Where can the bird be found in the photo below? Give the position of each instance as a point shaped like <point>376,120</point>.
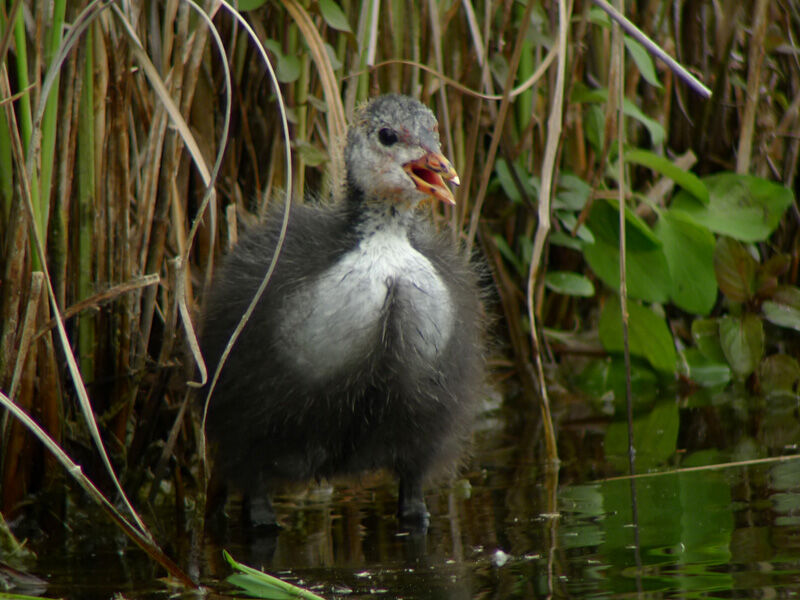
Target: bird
<point>366,350</point>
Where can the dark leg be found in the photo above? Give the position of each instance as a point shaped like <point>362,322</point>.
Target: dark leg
<point>257,513</point>
<point>411,511</point>
<point>216,495</point>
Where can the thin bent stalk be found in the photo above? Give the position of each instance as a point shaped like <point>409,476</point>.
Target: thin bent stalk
<point>618,79</point>
<point>287,205</point>
<point>554,127</point>
<point>143,541</point>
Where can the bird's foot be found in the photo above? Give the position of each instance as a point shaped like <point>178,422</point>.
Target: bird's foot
<point>413,516</point>
<point>259,516</point>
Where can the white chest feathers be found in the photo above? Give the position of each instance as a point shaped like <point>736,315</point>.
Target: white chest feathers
<point>383,287</point>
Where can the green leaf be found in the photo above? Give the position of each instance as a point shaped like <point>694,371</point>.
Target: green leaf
<point>336,64</point>
<point>512,178</point>
<point>742,341</point>
<point>648,276</point>
<point>744,207</point>
<point>569,220</point>
<point>648,272</point>
<point>778,373</point>
<point>594,124</point>
<point>503,173</point>
<point>569,284</point>
<point>705,333</point>
<point>735,270</point>
<point>706,372</point>
<point>509,254</point>
<point>643,61</point>
<point>689,250</point>
<point>655,437</point>
<point>604,220</point>
<point>648,334</point>
<point>262,585</point>
<point>334,16</point>
<point>311,154</point>
<point>784,308</point>
<point>572,193</point>
<point>287,69</point>
<point>687,180</point>
<point>559,238</point>
<point>582,94</point>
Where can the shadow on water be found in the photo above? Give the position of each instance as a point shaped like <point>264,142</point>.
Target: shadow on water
<point>730,532</point>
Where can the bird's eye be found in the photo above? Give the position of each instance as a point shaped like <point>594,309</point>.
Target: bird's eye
<point>387,136</point>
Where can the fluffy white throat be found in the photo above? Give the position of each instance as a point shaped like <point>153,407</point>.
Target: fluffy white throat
<point>339,318</point>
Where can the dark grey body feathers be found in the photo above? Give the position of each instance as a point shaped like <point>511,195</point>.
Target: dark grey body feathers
<point>386,409</point>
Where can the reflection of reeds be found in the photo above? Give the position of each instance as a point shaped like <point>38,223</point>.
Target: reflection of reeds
<point>113,168</point>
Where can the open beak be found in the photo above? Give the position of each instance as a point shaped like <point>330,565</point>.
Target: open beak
<point>429,174</point>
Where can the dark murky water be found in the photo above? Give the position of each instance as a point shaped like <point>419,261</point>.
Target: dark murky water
<point>731,532</point>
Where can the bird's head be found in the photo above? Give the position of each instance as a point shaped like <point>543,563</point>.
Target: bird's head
<point>393,153</point>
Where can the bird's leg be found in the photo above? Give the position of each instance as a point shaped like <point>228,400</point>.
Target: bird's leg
<point>411,510</point>
<point>257,512</point>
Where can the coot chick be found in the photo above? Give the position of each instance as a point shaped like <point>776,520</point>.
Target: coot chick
<point>365,351</point>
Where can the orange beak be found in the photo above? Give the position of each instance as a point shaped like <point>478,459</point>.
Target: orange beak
<point>429,174</point>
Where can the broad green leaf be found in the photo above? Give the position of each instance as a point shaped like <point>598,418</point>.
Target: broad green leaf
<point>570,284</point>
<point>648,334</point>
<point>603,380</point>
<point>744,207</point>
<point>686,179</point>
<point>644,384</point>
<point>689,250</point>
<point>655,437</point>
<point>569,220</point>
<point>735,270</point>
<point>559,238</point>
<point>643,61</point>
<point>333,15</point>
<point>647,269</point>
<point>287,69</point>
<point>648,276</point>
<point>604,222</point>
<point>706,372</point>
<point>572,193</point>
<point>784,307</point>
<point>742,341</point>
<point>705,333</point>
